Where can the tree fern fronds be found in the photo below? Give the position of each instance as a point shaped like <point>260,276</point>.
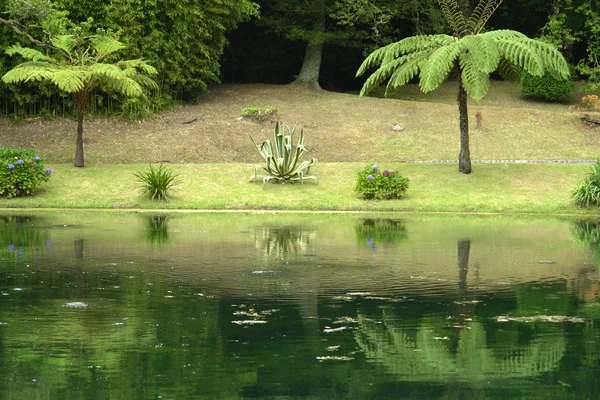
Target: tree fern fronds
<point>552,59</point>
<point>438,66</point>
<point>475,81</point>
<point>454,16</point>
<point>520,53</point>
<point>379,76</point>
<point>68,80</point>
<point>485,52</point>
<point>126,86</point>
<point>27,53</point>
<point>65,43</point>
<point>409,69</point>
<point>375,58</point>
<point>109,70</point>
<point>509,71</point>
<point>104,46</point>
<point>145,81</point>
<point>482,14</point>
<point>30,71</point>
<point>503,34</point>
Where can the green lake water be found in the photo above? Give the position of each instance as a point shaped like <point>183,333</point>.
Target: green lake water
<point>115,305</point>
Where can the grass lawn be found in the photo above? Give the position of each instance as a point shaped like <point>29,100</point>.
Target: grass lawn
<point>491,188</point>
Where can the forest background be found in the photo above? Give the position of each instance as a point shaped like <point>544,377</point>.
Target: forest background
<point>316,43</point>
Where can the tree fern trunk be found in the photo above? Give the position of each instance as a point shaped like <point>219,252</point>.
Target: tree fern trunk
<point>464,158</point>
<point>81,103</point>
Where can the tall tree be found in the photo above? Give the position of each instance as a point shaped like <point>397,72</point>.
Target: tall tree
<point>77,63</point>
<point>471,54</point>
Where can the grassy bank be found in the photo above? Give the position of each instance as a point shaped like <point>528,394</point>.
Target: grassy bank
<point>491,188</point>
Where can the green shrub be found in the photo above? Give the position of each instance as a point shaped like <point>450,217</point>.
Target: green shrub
<point>21,172</point>
<point>157,183</point>
<point>282,158</point>
<point>372,183</point>
<point>587,192</point>
<point>260,114</point>
<point>545,87</point>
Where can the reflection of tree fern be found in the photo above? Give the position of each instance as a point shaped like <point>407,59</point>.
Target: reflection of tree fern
<point>421,356</point>
<point>588,232</point>
<point>381,231</point>
<point>157,231</point>
<point>282,241</point>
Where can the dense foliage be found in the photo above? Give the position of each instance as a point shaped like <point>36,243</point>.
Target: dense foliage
<point>372,183</point>
<point>282,158</point>
<point>545,87</point>
<point>21,172</point>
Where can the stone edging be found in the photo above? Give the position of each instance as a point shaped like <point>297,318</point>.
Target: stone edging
<point>504,161</point>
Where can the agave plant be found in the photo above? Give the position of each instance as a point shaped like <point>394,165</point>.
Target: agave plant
<point>282,158</point>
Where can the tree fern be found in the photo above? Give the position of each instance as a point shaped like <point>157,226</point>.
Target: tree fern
<point>474,55</point>
<point>27,53</point>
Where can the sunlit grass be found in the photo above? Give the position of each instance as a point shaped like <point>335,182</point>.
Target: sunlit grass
<point>491,188</point>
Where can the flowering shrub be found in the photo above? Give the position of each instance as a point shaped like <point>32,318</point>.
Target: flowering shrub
<point>21,172</point>
<point>373,183</point>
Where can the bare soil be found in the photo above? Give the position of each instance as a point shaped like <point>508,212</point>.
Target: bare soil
<point>338,127</point>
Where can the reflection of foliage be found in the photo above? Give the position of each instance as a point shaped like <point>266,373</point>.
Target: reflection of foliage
<point>19,241</point>
<point>375,231</point>
<point>422,356</point>
<point>157,231</point>
<point>282,241</point>
<point>588,232</point>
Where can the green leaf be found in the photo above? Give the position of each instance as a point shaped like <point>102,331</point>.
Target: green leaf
<point>439,64</point>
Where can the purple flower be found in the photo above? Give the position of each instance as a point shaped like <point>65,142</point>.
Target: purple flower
<point>387,172</point>
<point>10,166</point>
<point>20,162</point>
<point>48,171</point>
<point>11,247</point>
<point>369,177</point>
<point>37,158</point>
<point>374,167</point>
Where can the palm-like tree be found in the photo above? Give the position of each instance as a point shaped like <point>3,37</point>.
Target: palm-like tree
<point>77,64</point>
<point>469,52</point>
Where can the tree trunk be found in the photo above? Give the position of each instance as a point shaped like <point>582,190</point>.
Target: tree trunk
<point>311,66</point>
<point>464,158</point>
<point>81,106</point>
<point>309,74</point>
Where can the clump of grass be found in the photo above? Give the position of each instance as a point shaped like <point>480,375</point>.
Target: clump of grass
<point>260,114</point>
<point>587,192</point>
<point>157,182</point>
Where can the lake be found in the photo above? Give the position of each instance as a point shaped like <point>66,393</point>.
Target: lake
<point>141,305</point>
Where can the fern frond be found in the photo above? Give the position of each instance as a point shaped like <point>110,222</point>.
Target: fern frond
<point>475,81</point>
<point>521,53</point>
<point>409,69</point>
<point>454,16</point>
<point>105,45</point>
<point>509,71</point>
<point>484,52</point>
<point>138,65</point>
<point>439,64</point>
<point>552,59</point>
<point>109,70</point>
<point>405,46</point>
<point>29,71</point>
<point>144,81</point>
<point>503,34</point>
<point>482,14</point>
<point>126,86</point>
<point>65,43</point>
<point>28,53</point>
<point>68,80</point>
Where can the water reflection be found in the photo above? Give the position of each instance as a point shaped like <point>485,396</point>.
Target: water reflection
<point>157,229</point>
<point>279,306</point>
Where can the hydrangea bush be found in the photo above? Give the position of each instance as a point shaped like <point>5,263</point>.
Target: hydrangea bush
<point>21,172</point>
<point>372,183</point>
